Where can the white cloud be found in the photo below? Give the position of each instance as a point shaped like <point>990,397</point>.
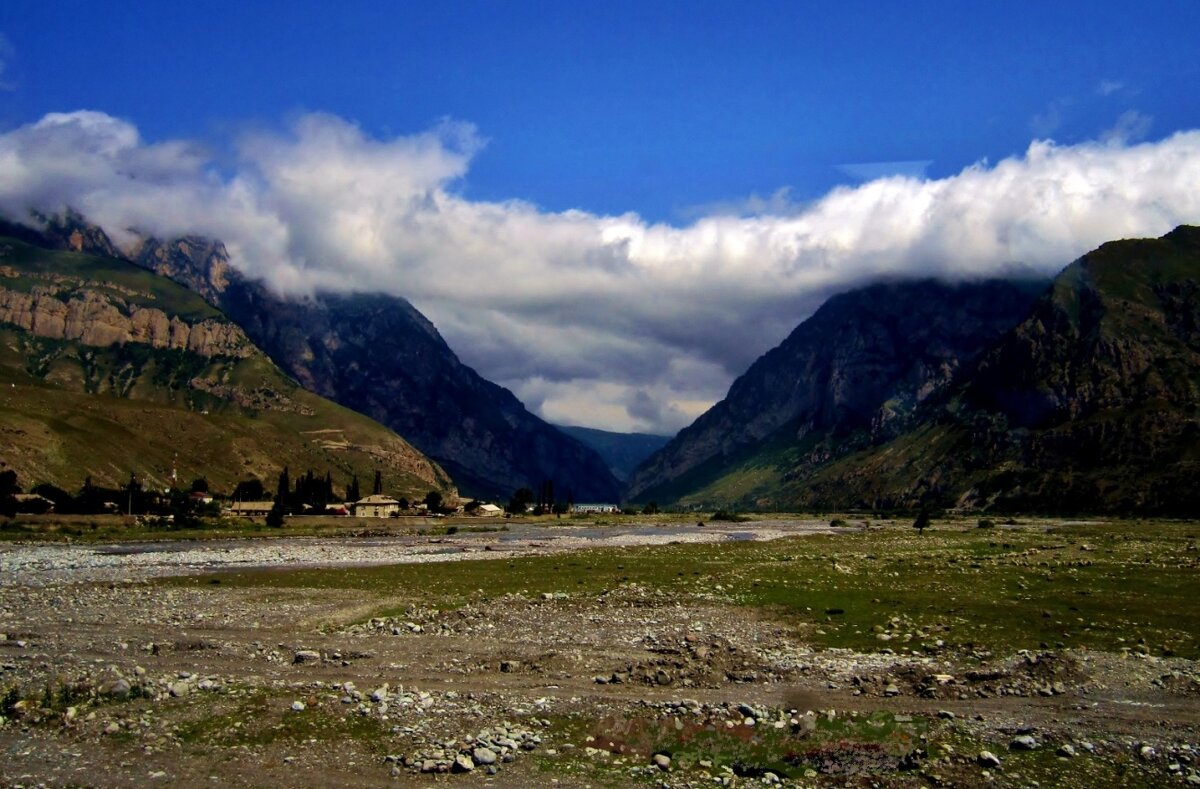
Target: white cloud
<point>1131,126</point>
<point>1107,87</point>
<point>607,321</point>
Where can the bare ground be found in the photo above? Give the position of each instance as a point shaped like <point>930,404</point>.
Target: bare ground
<point>129,682</point>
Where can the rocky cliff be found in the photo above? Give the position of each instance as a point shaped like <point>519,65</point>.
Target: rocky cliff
<point>108,369</point>
<point>100,319</point>
<point>853,373</point>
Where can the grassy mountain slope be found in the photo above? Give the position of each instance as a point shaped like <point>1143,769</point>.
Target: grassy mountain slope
<point>108,369</point>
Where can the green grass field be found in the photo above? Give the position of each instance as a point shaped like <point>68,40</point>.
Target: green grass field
<point>1110,586</point>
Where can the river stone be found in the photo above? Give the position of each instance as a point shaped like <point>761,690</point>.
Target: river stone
<point>988,759</point>
<point>1025,742</point>
<point>483,756</point>
<point>118,688</point>
<point>662,761</point>
<point>463,764</point>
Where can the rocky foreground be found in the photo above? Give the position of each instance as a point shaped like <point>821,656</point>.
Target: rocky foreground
<point>115,676</point>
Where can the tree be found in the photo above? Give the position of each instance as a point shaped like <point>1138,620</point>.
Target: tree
<point>249,490</point>
<point>275,517</point>
<point>8,483</point>
<point>199,485</point>
<point>433,500</point>
<point>64,502</point>
<point>377,488</point>
<point>651,508</point>
<point>352,493</point>
<point>519,502</point>
<point>922,521</point>
<point>472,505</point>
<point>8,488</point>
<point>134,497</point>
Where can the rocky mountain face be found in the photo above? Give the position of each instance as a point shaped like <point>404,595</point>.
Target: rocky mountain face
<point>853,374</point>
<point>378,355</point>
<point>61,311</point>
<point>108,369</point>
<point>1089,405</point>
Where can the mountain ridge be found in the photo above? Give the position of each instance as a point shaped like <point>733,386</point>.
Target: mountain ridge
<point>1089,404</point>
<point>106,373</point>
<point>378,355</point>
<point>855,370</point>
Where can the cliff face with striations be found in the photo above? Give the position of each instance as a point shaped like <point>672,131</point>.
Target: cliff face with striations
<point>98,319</point>
<point>107,368</point>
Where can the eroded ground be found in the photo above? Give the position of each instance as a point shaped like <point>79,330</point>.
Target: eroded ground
<point>1056,654</point>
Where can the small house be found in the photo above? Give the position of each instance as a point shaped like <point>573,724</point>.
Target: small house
<point>251,509</point>
<point>376,506</point>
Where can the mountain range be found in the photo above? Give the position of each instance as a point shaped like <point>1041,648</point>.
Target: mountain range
<point>107,370</point>
<point>1072,395</point>
<point>1082,397</point>
<point>378,355</point>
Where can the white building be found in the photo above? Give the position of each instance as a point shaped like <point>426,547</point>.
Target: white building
<point>592,509</point>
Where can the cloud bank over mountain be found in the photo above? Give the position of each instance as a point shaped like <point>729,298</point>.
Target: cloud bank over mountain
<point>607,321</point>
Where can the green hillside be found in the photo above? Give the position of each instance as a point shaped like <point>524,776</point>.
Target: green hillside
<point>70,409</point>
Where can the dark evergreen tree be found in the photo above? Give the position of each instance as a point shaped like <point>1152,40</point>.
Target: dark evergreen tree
<point>520,501</point>
<point>377,489</point>
<point>922,521</point>
<point>352,493</point>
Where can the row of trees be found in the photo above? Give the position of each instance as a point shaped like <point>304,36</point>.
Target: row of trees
<point>133,498</point>
<point>307,493</point>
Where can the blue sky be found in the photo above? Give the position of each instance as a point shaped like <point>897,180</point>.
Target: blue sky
<point>610,208</point>
<point>625,106</point>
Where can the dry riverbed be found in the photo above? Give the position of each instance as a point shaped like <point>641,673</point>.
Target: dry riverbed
<point>774,652</point>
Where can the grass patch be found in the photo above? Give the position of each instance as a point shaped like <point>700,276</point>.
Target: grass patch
<point>1105,587</point>
<point>260,719</point>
